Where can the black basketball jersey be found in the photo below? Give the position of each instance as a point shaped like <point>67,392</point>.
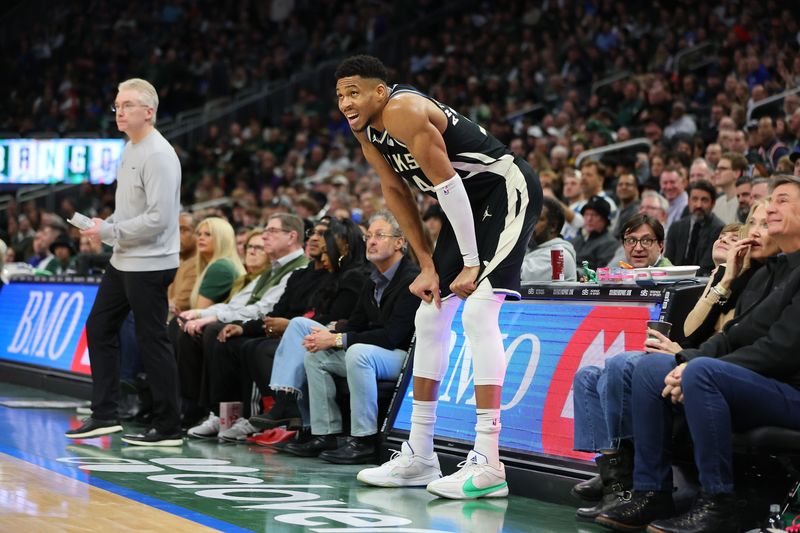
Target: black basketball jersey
<point>480,159</point>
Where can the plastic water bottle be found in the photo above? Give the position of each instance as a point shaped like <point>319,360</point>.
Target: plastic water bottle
<point>775,518</point>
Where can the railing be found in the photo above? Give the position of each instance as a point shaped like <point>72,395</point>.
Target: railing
<point>681,56</point>
<point>608,80</point>
<point>771,100</point>
<point>597,153</point>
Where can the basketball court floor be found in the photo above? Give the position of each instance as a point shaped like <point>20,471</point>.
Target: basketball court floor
<point>49,483</point>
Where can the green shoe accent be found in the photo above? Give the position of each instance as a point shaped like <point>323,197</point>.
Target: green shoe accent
<point>471,491</point>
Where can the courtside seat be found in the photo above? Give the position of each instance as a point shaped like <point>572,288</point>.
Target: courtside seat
<point>766,470</point>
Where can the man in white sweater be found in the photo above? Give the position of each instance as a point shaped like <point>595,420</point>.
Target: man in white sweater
<point>144,232</point>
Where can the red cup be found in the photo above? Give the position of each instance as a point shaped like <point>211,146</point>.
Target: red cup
<point>557,264</point>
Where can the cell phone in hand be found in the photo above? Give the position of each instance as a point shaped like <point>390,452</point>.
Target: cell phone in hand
<point>81,221</point>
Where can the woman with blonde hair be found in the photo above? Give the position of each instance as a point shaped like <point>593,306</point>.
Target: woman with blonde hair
<point>218,263</point>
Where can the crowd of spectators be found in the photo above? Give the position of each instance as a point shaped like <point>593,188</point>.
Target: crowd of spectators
<point>491,65</point>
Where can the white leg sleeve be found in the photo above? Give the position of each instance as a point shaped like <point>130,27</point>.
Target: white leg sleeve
<point>480,319</point>
<point>432,350</point>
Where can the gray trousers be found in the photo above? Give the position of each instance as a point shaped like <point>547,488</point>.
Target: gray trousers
<point>363,365</point>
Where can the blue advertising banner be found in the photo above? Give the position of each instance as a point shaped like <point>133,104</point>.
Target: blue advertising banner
<point>43,324</point>
<point>545,343</point>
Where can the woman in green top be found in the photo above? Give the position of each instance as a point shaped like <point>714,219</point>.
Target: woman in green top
<point>218,263</point>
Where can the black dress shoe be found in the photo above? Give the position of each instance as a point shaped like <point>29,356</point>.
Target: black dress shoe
<point>712,513</point>
<point>93,427</point>
<point>356,451</point>
<point>635,514</point>
<point>313,447</point>
<point>607,502</point>
<point>590,490</point>
<point>153,437</point>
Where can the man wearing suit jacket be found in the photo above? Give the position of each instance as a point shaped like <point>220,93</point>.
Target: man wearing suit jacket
<point>691,238</point>
<point>745,376</point>
<point>371,346</point>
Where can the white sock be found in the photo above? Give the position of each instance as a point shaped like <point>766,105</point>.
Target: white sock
<point>423,418</point>
<point>487,435</point>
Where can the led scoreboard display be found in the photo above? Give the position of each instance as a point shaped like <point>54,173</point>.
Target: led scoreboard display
<point>31,161</point>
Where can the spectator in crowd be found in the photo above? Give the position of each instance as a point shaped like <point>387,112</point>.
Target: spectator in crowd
<point>244,354</point>
<point>41,245</point>
<point>673,188</point>
<point>744,186</point>
<point>691,238</point>
<point>343,254</point>
<point>272,254</point>
<point>144,231</point>
<point>713,154</point>
<point>730,169</point>
<point>370,346</point>
<point>433,217</point>
<point>700,170</point>
<point>794,157</point>
<point>218,263</point>
<point>742,377</point>
<point>180,290</point>
<point>537,265</point>
<point>63,260</point>
<point>759,189</point>
<point>597,246</point>
<point>643,242</point>
<point>770,149</point>
<point>574,198</point>
<point>656,206</point>
<point>628,195</point>
<point>592,179</point>
<point>603,408</point>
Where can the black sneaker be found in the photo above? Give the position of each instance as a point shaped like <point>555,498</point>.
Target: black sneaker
<point>152,437</point>
<point>92,427</point>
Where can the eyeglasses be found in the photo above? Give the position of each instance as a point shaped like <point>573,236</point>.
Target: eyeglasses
<point>379,236</point>
<point>275,231</point>
<point>722,169</point>
<point>311,232</point>
<point>126,107</point>
<point>631,242</point>
<point>256,247</point>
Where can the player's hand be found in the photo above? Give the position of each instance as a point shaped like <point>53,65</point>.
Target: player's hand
<point>230,330</point>
<point>465,283</point>
<point>426,286</point>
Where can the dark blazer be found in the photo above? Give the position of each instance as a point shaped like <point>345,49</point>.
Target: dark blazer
<point>678,240</point>
<point>389,325</point>
<point>765,337</point>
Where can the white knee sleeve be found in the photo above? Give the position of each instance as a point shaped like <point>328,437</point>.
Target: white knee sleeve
<point>480,315</point>
<point>432,349</point>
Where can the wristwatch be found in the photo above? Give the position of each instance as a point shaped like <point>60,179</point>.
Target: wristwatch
<point>339,341</point>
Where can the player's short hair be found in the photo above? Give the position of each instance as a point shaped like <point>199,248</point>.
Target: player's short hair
<point>362,65</point>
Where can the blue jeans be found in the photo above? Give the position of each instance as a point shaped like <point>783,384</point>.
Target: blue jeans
<point>287,368</point>
<point>601,403</point>
<point>363,365</point>
<point>719,398</point>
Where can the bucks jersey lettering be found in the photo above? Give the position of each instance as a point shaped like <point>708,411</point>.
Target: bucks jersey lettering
<point>479,158</point>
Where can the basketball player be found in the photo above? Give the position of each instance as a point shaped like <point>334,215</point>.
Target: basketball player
<point>491,200</point>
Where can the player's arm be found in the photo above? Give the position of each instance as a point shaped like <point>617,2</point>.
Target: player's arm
<point>418,124</point>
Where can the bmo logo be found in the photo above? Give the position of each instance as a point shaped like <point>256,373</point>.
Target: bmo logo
<point>43,323</point>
